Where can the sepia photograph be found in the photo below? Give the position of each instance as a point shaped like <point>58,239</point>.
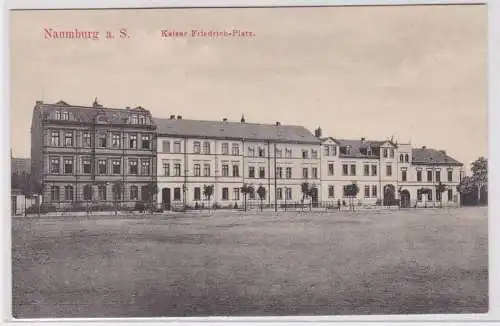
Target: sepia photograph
<point>249,161</point>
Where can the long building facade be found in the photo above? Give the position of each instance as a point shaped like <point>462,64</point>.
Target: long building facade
<point>79,153</point>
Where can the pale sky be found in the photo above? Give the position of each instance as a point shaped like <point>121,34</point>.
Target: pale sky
<point>417,73</point>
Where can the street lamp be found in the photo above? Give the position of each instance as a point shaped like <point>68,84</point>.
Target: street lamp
<point>184,195</point>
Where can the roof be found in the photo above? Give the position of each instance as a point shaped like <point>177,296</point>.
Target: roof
<point>86,114</point>
<point>234,130</point>
<point>432,156</point>
<point>356,145</point>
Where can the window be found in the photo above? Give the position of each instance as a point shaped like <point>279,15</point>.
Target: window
<point>262,172</point>
<point>142,119</point>
<point>55,194</point>
<point>331,191</point>
<point>236,149</point>
<point>206,170</point>
<point>197,193</point>
<point>87,192</point>
<point>388,170</point>
<point>236,193</point>
<point>407,158</point>
<point>305,173</point>
<point>429,196</point>
<point>68,165</point>
<point>345,169</point>
<point>251,152</point>
<point>177,193</point>
<point>385,152</point>
<point>438,175</point>
<point>450,175</point>
<point>177,169</point>
<point>225,170</point>
<point>54,138</point>
<point>288,173</point>
<point>251,172</point>
<point>102,166</point>
<point>419,196</point>
<point>101,192</point>
<point>146,142</point>
<point>419,176</point>
<point>132,166</point>
<point>344,192</point>
<point>314,173</point>
<point>333,150</point>
<point>133,119</point>
<point>225,193</point>
<point>115,140</point>
<point>279,194</point>
<point>262,152</point>
<point>305,153</point>
<point>403,175</point>
<point>197,147</point>
<point>374,191</point>
<point>401,158</point>
<point>197,170</point>
<point>225,148</point>
<point>177,147</point>
<point>87,141</point>
<point>102,140</point>
<point>327,150</point>
<point>450,195</point>
<point>68,138</point>
<point>279,172</point>
<point>116,166</point>
<point>367,191</point>
<point>288,193</point>
<point>132,142</point>
<point>353,169</point>
<point>366,170</point>
<point>279,153</point>
<point>166,168</point>
<point>392,152</point>
<point>206,147</point>
<point>134,193</point>
<point>55,166</point>
<point>236,171</point>
<point>374,170</point>
<point>314,153</point>
<point>429,176</point>
<point>288,153</point>
<point>68,193</point>
<point>330,169</point>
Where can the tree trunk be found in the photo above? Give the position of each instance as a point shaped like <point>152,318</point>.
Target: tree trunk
<point>478,194</point>
<point>25,208</point>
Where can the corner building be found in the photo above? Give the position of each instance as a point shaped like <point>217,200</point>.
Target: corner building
<point>79,153</point>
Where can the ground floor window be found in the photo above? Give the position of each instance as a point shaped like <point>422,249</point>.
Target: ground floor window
<point>177,193</point>
<point>279,194</point>
<point>450,195</point>
<point>419,196</point>
<point>225,193</point>
<point>367,191</point>
<point>331,191</point>
<point>55,194</point>
<point>101,192</point>
<point>236,193</point>
<point>87,192</point>
<point>134,193</point>
<point>288,194</point>
<point>197,193</point>
<point>374,191</point>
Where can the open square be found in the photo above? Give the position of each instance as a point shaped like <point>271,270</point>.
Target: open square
<point>252,264</point>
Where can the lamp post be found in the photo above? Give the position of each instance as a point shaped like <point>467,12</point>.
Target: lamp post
<point>184,195</point>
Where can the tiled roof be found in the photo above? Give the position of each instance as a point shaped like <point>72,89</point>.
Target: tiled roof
<point>355,146</point>
<point>234,130</point>
<point>432,156</point>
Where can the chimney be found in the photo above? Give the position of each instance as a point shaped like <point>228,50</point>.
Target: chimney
<point>179,117</point>
<point>318,133</point>
<point>224,120</point>
<point>363,139</point>
<point>172,117</point>
<point>424,147</point>
<point>242,118</point>
<point>278,123</point>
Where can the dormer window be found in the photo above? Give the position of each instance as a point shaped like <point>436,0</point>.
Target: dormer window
<point>348,150</point>
<point>363,151</point>
<point>133,119</point>
<point>369,151</point>
<point>142,119</point>
<point>61,115</point>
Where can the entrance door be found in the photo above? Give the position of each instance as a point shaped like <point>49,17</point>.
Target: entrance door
<point>405,199</point>
<point>165,198</point>
<point>389,195</point>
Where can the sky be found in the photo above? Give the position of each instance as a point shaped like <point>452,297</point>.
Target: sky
<point>415,73</point>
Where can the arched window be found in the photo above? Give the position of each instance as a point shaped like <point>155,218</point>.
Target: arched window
<point>87,192</point>
<point>401,158</point>
<point>407,158</point>
<point>134,193</point>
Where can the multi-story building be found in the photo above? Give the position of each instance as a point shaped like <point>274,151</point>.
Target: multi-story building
<point>386,171</point>
<point>193,154</point>
<point>93,154</point>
